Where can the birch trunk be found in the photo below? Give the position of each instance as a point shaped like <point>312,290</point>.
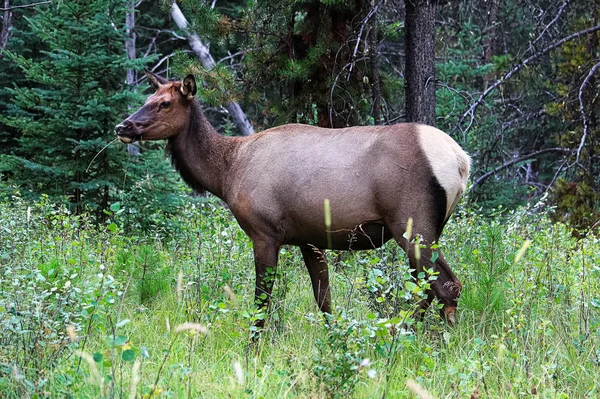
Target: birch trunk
<point>6,25</point>
<point>132,149</point>
<point>202,52</point>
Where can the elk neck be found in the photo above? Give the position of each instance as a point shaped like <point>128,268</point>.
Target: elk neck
<point>201,155</point>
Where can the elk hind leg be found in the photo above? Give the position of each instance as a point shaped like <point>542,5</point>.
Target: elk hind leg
<point>316,263</point>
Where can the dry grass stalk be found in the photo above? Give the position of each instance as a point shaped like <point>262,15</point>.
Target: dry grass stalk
<point>94,373</point>
<point>197,327</point>
<point>179,286</point>
<point>239,373</point>
<point>418,390</point>
<point>135,379</point>
<point>71,333</point>
<point>230,294</point>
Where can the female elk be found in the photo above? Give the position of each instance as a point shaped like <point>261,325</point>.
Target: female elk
<point>275,184</point>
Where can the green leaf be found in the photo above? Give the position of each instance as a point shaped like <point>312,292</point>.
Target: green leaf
<point>98,357</point>
<point>115,207</point>
<point>122,323</point>
<point>120,340</point>
<point>112,227</point>
<point>128,355</point>
<point>434,257</point>
<point>410,286</point>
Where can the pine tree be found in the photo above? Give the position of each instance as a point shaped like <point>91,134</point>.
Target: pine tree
<point>74,96</point>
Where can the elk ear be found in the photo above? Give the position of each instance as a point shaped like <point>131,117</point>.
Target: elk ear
<point>188,87</point>
<point>156,81</point>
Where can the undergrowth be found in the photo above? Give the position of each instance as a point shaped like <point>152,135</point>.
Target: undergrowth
<point>91,310</point>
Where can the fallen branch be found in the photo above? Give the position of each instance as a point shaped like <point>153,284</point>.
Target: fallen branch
<point>514,161</point>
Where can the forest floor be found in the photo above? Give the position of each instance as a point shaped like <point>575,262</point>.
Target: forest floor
<point>99,310</point>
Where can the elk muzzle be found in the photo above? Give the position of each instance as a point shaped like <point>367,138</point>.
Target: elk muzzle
<point>127,132</point>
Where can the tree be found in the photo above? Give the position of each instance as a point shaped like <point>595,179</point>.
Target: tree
<point>420,61</point>
<point>6,26</point>
<point>66,112</point>
<point>207,61</point>
<point>306,62</point>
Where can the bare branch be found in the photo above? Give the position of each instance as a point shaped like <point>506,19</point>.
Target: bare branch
<point>159,63</point>
<point>556,18</point>
<point>231,56</point>
<point>360,32</point>
<point>558,172</point>
<point>586,125</point>
<point>514,161</point>
<point>25,5</point>
<point>518,67</point>
<point>333,86</point>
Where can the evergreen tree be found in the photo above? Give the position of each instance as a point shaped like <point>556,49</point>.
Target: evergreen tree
<point>15,36</point>
<point>74,96</point>
<point>311,57</point>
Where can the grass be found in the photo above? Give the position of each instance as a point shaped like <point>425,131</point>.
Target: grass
<point>527,327</point>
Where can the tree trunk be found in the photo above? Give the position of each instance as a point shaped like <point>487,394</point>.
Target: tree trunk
<point>6,25</point>
<point>374,58</point>
<point>132,149</point>
<point>420,61</point>
<point>130,41</point>
<point>202,52</point>
<point>493,8</point>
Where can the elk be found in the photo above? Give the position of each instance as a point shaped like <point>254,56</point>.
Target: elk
<point>275,183</point>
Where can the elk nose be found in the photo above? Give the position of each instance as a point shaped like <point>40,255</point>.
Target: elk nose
<point>123,126</point>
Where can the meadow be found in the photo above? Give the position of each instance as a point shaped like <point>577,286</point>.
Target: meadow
<point>117,309</point>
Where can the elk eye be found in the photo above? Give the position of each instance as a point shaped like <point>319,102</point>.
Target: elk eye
<point>165,104</point>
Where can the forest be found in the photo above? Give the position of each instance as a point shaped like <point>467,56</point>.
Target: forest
<point>119,280</point>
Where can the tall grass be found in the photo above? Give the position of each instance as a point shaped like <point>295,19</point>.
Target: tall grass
<point>93,311</point>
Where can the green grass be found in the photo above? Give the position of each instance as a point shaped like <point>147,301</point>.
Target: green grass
<point>526,327</point>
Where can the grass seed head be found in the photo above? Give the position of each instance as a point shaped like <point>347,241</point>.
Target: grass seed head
<point>197,327</point>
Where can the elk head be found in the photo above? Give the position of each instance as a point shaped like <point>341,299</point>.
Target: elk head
<point>165,113</point>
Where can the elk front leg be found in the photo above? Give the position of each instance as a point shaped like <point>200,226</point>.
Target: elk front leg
<point>446,287</point>
<point>265,262</point>
<point>319,276</point>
